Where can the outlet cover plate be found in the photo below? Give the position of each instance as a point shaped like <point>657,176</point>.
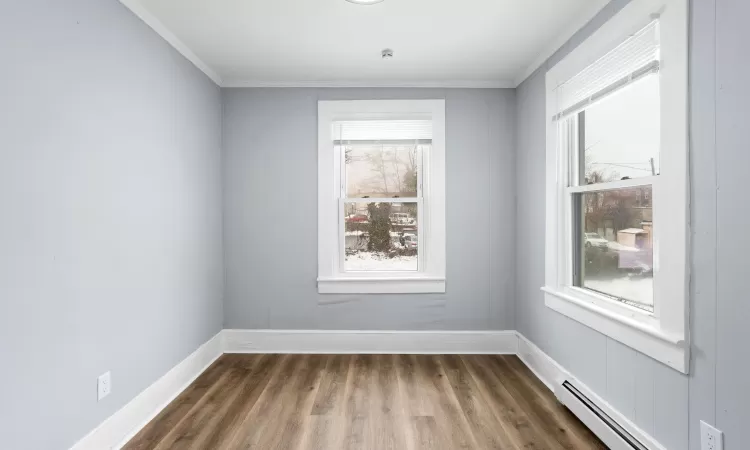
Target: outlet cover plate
<point>104,385</point>
<point>711,438</point>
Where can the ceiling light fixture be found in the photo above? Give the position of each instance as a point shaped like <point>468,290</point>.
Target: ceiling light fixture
<point>364,2</point>
<point>387,53</point>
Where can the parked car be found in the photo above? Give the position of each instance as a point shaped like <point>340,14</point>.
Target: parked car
<point>356,218</point>
<point>594,240</point>
<point>409,241</point>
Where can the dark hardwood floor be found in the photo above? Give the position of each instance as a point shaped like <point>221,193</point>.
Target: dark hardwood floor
<point>377,402</point>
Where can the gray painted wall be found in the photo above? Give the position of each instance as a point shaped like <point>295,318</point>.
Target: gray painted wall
<point>270,208</point>
<point>110,243</point>
<point>663,402</point>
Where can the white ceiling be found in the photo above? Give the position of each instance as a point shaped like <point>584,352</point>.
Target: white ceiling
<point>462,43</point>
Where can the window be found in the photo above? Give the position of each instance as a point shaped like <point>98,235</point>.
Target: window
<point>617,216</point>
<point>381,196</point>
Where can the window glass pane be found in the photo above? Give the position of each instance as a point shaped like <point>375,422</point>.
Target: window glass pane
<point>381,236</point>
<point>621,134</point>
<point>616,245</point>
<point>381,170</point>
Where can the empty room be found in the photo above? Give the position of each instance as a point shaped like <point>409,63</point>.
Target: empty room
<point>374,224</point>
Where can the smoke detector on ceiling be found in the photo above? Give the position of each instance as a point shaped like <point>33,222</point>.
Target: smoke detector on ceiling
<point>387,53</point>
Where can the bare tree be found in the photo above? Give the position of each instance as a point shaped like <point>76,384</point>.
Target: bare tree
<point>410,176</point>
<point>616,205</point>
<point>395,161</point>
<point>378,161</point>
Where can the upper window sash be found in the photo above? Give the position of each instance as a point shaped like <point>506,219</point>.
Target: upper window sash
<point>614,139</point>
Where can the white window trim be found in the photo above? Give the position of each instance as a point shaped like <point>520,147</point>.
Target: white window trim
<point>431,276</point>
<point>662,335</point>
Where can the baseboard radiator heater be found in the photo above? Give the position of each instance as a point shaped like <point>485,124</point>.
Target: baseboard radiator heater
<point>598,421</point>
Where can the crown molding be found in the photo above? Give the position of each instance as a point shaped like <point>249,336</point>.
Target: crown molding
<point>471,84</point>
<point>588,13</point>
<point>137,8</point>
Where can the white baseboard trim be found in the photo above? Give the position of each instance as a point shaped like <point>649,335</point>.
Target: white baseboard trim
<point>383,342</point>
<point>553,374</point>
<point>120,427</point>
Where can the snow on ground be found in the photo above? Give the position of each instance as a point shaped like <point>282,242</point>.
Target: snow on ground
<point>638,289</point>
<point>379,261</point>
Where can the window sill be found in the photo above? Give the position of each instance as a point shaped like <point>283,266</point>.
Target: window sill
<point>647,339</point>
<point>372,285</point>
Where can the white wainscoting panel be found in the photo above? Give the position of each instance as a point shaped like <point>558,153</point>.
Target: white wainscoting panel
<point>553,374</point>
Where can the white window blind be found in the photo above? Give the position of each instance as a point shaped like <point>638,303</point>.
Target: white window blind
<point>352,131</point>
<point>635,58</point>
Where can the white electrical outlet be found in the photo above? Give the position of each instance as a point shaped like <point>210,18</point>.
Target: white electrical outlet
<point>104,385</point>
<point>711,438</point>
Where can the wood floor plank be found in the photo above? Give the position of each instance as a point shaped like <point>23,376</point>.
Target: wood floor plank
<point>450,420</point>
<point>170,416</point>
<point>278,422</point>
<point>324,432</point>
<point>427,435</point>
<point>365,402</point>
<point>413,394</point>
<point>386,399</point>
<point>543,410</point>
<point>330,395</point>
<point>187,434</point>
<point>261,419</point>
<point>480,418</point>
<point>297,402</point>
<point>240,406</point>
<point>514,420</point>
<point>540,390</point>
<point>386,412</point>
<point>359,388</point>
